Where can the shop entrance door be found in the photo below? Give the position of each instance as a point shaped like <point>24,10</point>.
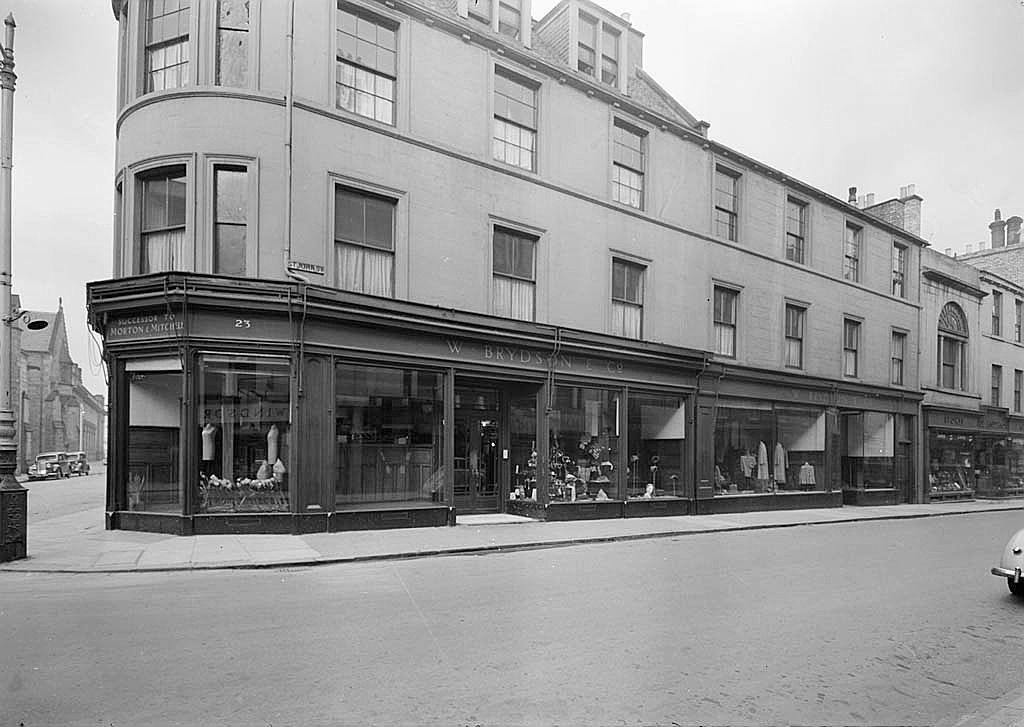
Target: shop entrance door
<point>477,449</point>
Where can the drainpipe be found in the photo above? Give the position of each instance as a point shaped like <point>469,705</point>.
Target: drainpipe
<point>289,112</point>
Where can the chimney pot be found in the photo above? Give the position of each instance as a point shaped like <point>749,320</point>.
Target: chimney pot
<point>998,229</point>
<point>1013,230</point>
<point>999,215</point>
<point>853,195</point>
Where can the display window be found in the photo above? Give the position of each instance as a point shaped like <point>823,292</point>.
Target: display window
<point>389,435</point>
<point>761,447</point>
<point>153,482</point>
<point>656,432</point>
<point>524,448</point>
<point>877,450</point>
<point>950,462</point>
<point>584,444</point>
<point>999,465</point>
<point>244,434</point>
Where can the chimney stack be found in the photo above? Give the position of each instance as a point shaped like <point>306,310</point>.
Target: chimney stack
<point>853,196</point>
<point>1013,230</point>
<point>998,228</point>
<point>911,209</point>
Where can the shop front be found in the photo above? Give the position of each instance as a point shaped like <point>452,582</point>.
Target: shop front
<point>784,442</point>
<point>259,406</point>
<point>950,470</point>
<point>999,454</point>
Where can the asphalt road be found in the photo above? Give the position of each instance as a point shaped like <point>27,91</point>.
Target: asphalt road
<point>888,622</point>
<point>53,498</point>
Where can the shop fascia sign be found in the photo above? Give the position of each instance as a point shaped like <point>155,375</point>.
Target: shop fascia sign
<point>502,355</point>
<point>145,326</point>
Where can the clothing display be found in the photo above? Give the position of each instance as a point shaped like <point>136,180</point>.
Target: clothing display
<point>762,461</point>
<point>209,446</point>
<point>272,437</point>
<point>780,463</point>
<point>747,464</point>
<point>807,475</point>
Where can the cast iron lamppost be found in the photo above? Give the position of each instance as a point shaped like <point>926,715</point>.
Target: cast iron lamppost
<point>13,497</point>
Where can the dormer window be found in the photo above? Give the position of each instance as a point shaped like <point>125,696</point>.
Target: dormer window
<point>480,10</point>
<point>609,56</point>
<point>510,18</point>
<point>599,49</point>
<point>587,51</point>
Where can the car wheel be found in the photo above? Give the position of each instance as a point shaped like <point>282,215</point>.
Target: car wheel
<point>1017,588</point>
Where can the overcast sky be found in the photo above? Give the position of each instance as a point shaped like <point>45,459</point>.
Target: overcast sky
<point>875,94</point>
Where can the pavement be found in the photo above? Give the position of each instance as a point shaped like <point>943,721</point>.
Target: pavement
<point>78,542</point>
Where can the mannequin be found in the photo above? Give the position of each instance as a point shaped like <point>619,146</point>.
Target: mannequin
<point>209,446</point>
<point>272,437</point>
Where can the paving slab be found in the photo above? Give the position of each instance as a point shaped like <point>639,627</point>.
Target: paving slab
<point>78,542</point>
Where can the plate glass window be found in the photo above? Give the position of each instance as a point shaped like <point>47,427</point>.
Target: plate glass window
<point>656,428</point>
<point>851,347</point>
<point>726,203</point>
<point>515,120</point>
<point>795,336</point>
<point>245,412</point>
<point>230,195</point>
<point>899,270</point>
<point>153,479</point>
<point>628,166</point>
<point>233,43</point>
<point>366,65</point>
<point>725,321</point>
<point>162,227</point>
<point>364,242</point>
<point>796,230</point>
<point>389,434</point>
<point>851,253</point>
<point>584,444</point>
<point>167,44</point>
<point>627,299</point>
<point>952,348</point>
<point>899,346</point>
<point>514,274</point>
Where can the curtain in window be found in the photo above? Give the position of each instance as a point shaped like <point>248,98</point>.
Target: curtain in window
<point>725,340</point>
<point>162,251</point>
<point>362,270</point>
<point>513,298</point>
<point>626,319</point>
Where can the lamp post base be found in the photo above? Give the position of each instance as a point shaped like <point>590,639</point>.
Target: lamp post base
<point>13,497</point>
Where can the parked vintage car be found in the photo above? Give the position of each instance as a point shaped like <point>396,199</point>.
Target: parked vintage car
<point>1011,565</point>
<point>50,464</point>
<point>78,463</point>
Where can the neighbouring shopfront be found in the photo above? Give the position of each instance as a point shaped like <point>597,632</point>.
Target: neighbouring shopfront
<point>791,442</point>
<point>281,407</point>
<point>950,458</point>
<point>975,454</point>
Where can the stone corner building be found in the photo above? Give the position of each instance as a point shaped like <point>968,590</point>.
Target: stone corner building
<point>55,411</point>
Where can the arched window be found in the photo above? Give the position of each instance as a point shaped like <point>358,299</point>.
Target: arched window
<point>952,348</point>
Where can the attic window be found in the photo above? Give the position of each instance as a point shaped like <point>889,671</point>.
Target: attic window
<point>598,41</point>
